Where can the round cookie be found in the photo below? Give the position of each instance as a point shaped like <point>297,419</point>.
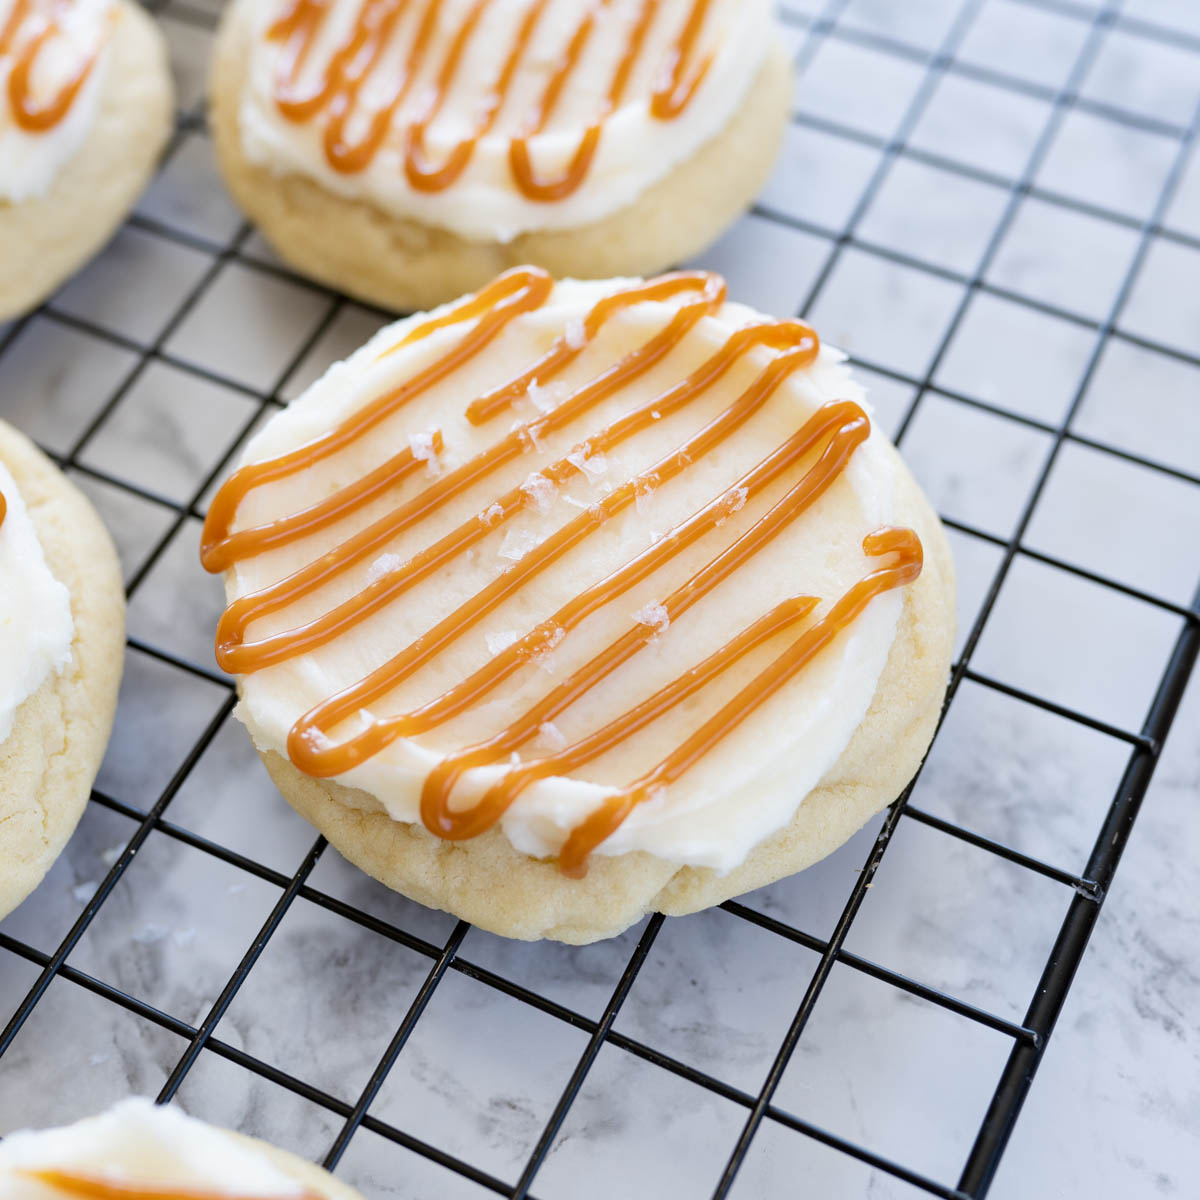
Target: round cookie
<point>59,734</point>
<point>89,1150</point>
<point>44,239</point>
<point>405,264</point>
<point>495,879</point>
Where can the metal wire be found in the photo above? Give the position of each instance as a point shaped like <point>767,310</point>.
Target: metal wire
<point>1029,1037</point>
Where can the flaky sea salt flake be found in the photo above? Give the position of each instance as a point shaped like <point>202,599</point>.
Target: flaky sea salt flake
<point>540,491</point>
<point>643,499</point>
<point>425,450</point>
<point>654,616</point>
<point>593,466</point>
<point>550,737</point>
<point>517,543</point>
<point>545,397</point>
<point>731,502</point>
<point>575,334</point>
<point>385,564</point>
<point>530,436</point>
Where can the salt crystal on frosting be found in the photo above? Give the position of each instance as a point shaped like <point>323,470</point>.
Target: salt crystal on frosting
<point>554,633</point>
<point>550,738</point>
<point>541,491</point>
<point>383,565</point>
<point>733,501</point>
<point>655,616</point>
<point>591,465</point>
<point>498,642</point>
<point>423,448</point>
<point>575,334</point>
<point>517,543</point>
<point>643,499</point>
<point>491,515</point>
<point>545,397</point>
<point>543,656</point>
<point>529,435</point>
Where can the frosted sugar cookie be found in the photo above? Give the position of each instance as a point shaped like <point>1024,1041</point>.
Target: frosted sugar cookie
<point>406,151</point>
<point>85,107</point>
<point>62,639</point>
<point>136,1151</point>
<point>572,601</point>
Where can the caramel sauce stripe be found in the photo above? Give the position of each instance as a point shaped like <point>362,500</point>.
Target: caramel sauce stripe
<point>309,743</point>
<point>337,90</point>
<point>38,21</point>
<point>103,1187</point>
<point>237,656</point>
<point>221,549</point>
<point>833,433</point>
<point>849,427</point>
<point>507,297</point>
<point>604,821</point>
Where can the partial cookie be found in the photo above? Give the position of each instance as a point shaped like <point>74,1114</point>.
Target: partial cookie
<point>73,160</point>
<point>62,639</point>
<point>610,578</point>
<point>657,190</point>
<point>139,1149</point>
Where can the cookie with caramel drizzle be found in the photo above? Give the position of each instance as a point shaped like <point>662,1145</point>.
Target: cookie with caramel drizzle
<point>318,599</point>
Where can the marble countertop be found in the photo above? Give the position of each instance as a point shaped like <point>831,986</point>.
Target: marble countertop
<point>892,222</point>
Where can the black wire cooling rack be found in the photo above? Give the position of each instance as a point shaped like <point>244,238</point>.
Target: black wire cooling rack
<point>1026,1038</point>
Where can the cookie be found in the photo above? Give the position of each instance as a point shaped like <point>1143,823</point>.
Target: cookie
<point>658,133</point>
<point>62,640</point>
<point>84,112</point>
<point>574,601</point>
<point>136,1149</point>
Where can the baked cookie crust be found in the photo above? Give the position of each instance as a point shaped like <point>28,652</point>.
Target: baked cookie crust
<point>487,882</point>
<point>406,265</point>
<point>314,1179</point>
<point>45,239</point>
<point>59,734</point>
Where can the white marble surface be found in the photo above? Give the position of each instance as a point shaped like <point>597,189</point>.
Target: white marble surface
<point>1115,1110</point>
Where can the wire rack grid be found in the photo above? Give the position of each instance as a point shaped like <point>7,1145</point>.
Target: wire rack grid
<point>189,260</point>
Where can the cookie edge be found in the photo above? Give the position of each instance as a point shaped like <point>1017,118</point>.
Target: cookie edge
<point>65,725</point>
<point>46,239</point>
<point>406,265</point>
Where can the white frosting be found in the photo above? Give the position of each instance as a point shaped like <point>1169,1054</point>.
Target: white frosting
<point>30,160</point>
<point>750,784</point>
<point>635,148</point>
<point>36,627</point>
<point>138,1143</point>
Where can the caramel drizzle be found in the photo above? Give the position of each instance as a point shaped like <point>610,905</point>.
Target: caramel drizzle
<point>605,820</point>
<point>835,430</point>
<point>354,62</point>
<point>43,28</point>
<point>3,509</point>
<point>101,1187</point>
